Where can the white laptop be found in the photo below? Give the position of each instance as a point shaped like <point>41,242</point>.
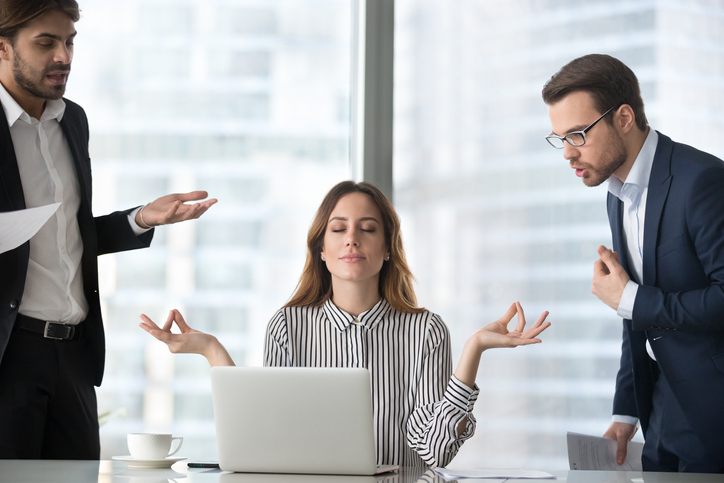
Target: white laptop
<point>294,420</point>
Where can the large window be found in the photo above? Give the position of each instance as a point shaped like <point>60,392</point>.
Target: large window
<point>248,100</point>
<point>491,214</point>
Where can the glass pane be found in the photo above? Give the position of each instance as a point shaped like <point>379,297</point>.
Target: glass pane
<point>488,222</point>
<point>245,99</point>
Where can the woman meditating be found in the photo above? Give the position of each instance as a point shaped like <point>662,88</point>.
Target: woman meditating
<point>355,306</point>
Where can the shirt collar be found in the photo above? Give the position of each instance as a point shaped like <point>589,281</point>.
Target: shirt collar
<point>638,177</point>
<point>54,109</point>
<point>369,319</point>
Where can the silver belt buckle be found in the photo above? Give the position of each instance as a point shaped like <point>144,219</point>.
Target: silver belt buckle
<point>45,332</point>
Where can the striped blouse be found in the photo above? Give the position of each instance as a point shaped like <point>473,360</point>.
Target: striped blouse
<point>417,402</point>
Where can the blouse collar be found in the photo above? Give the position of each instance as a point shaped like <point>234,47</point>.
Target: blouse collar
<point>369,319</point>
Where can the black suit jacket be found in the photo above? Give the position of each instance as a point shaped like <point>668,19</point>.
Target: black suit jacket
<point>679,306</point>
<point>104,234</point>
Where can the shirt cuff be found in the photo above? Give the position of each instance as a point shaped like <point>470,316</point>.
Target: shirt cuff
<point>620,418</point>
<point>460,395</point>
<point>628,297</point>
<point>137,230</point>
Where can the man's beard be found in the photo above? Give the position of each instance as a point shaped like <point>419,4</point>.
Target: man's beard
<point>612,159</point>
<point>24,79</point>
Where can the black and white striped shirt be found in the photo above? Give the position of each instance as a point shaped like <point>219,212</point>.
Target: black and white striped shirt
<point>417,402</point>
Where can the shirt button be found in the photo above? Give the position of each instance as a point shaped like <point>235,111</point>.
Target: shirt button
<point>13,304</point>
<point>356,320</point>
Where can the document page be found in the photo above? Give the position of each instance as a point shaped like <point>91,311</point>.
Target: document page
<point>493,475</point>
<point>17,227</point>
<point>587,452</point>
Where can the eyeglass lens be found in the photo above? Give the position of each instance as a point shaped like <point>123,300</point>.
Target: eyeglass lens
<point>574,139</point>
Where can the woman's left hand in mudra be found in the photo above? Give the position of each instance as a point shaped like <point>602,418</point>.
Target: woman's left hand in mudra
<point>496,334</point>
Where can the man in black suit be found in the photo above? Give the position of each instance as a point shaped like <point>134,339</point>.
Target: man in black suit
<point>52,344</point>
<point>665,276</point>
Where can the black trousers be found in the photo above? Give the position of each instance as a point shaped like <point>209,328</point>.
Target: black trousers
<point>671,444</point>
<point>48,405</point>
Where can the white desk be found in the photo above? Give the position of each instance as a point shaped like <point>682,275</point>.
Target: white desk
<point>41,471</point>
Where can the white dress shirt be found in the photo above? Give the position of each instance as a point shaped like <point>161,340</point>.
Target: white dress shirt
<point>634,192</point>
<point>417,402</point>
<point>54,282</point>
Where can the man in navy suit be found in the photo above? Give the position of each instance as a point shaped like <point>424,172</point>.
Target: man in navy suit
<point>665,275</point>
<point>52,345</point>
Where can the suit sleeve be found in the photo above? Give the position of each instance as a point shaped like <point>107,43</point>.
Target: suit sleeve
<point>624,403</point>
<point>114,233</point>
<point>700,310</point>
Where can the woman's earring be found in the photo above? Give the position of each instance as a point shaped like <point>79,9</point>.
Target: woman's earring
<point>387,258</point>
<point>323,259</point>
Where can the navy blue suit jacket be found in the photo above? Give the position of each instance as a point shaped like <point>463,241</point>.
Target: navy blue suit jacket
<point>679,306</point>
<point>104,234</point>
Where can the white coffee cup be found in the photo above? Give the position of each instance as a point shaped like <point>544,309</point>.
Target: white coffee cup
<point>152,446</point>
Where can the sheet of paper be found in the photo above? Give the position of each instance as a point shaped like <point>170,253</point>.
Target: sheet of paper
<point>493,475</point>
<point>587,452</point>
<point>17,227</point>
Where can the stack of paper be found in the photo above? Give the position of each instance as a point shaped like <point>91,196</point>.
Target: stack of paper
<point>594,453</point>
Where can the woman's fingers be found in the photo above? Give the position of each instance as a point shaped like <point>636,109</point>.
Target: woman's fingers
<point>508,314</point>
<point>521,318</point>
<point>164,333</point>
<point>525,337</point>
<point>534,332</point>
<point>181,322</point>
<point>148,324</point>
<point>539,326</point>
<point>529,341</point>
<point>169,322</point>
<point>541,319</point>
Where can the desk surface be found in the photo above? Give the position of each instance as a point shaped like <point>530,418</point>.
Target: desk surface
<point>34,471</point>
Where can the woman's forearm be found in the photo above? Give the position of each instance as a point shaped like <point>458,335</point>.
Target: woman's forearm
<point>466,372</point>
<point>217,355</point>
<point>467,368</point>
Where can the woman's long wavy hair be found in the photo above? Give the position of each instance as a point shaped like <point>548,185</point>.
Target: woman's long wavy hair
<point>315,284</point>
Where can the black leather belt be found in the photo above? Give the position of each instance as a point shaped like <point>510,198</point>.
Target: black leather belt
<point>49,330</point>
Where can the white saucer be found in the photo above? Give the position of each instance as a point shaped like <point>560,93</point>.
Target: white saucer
<point>134,463</point>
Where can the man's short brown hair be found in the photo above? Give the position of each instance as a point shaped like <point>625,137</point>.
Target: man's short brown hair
<point>16,14</point>
<point>608,80</point>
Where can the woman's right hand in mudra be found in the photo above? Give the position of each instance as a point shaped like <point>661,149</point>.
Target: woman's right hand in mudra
<point>189,341</point>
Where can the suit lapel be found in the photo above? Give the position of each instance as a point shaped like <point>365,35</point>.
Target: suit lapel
<point>659,183</point>
<point>14,198</point>
<point>77,151</point>
<point>76,143</point>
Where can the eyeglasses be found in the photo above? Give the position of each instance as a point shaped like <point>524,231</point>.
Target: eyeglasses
<point>575,138</point>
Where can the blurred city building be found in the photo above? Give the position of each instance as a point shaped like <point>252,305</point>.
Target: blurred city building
<point>248,100</point>
<point>492,214</point>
